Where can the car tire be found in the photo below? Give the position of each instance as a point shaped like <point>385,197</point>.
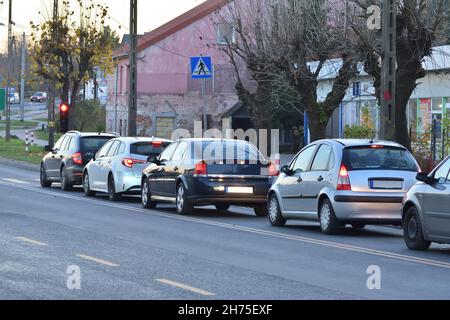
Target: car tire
<point>413,232</point>
<point>275,217</point>
<point>222,207</point>
<point>261,211</point>
<point>112,194</point>
<point>329,224</point>
<point>358,225</point>
<point>146,196</point>
<point>65,184</point>
<point>43,178</point>
<point>87,186</point>
<point>183,204</point>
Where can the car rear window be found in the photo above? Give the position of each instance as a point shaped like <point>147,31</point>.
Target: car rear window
<point>379,158</point>
<point>148,148</point>
<point>93,144</point>
<point>226,150</point>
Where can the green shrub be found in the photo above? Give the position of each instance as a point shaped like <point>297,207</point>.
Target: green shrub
<point>90,116</point>
<point>359,132</point>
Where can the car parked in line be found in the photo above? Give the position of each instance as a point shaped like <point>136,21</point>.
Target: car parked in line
<point>38,97</point>
<point>117,167</point>
<point>426,209</point>
<point>65,162</point>
<point>201,172</point>
<point>339,182</point>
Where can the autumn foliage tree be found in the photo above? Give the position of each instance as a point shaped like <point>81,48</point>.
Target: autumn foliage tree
<point>67,49</point>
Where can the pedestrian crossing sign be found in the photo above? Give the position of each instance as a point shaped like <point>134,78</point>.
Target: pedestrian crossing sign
<point>201,68</point>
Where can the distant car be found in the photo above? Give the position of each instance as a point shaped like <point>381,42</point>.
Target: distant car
<point>66,160</point>
<point>201,172</point>
<point>339,182</point>
<point>117,168</point>
<point>39,97</point>
<point>426,209</point>
<point>14,98</point>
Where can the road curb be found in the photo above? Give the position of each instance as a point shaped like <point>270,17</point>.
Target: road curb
<point>19,164</point>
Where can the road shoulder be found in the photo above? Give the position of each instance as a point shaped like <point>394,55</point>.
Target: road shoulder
<point>19,164</point>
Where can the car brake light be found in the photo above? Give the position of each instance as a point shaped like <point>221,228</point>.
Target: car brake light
<point>77,158</point>
<point>157,144</point>
<point>201,169</point>
<point>375,146</point>
<point>273,170</point>
<point>129,163</point>
<point>344,180</point>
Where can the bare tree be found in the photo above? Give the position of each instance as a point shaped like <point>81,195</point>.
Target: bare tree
<point>419,25</point>
<point>296,43</point>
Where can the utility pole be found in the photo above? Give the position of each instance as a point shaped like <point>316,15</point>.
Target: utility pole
<point>388,70</point>
<point>51,84</point>
<point>22,78</point>
<point>8,102</point>
<point>132,87</point>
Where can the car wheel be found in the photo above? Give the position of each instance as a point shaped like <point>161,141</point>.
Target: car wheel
<point>413,232</point>
<point>329,224</point>
<point>275,217</point>
<point>261,211</point>
<point>183,204</point>
<point>112,194</point>
<point>222,207</point>
<point>43,178</point>
<point>147,202</point>
<point>65,184</point>
<point>87,186</point>
<point>358,225</point>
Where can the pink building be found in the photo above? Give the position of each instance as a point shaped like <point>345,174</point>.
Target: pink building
<point>167,96</point>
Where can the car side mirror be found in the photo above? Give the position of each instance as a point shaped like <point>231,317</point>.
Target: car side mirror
<point>425,177</point>
<point>286,170</point>
<point>153,159</point>
<point>48,149</point>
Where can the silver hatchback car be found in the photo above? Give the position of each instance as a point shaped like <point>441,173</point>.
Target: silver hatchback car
<point>117,167</point>
<point>426,209</point>
<point>339,182</point>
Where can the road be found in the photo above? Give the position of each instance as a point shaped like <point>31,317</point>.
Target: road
<point>125,252</point>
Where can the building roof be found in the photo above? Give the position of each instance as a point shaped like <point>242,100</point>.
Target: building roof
<point>173,26</point>
<point>439,60</point>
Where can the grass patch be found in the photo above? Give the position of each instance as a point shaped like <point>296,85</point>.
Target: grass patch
<point>43,135</point>
<point>15,149</point>
<point>17,124</point>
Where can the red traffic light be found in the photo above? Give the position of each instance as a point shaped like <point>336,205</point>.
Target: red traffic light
<point>63,107</point>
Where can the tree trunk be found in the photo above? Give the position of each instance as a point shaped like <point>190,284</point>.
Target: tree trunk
<point>317,128</point>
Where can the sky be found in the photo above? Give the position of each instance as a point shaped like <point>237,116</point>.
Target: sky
<point>151,13</point>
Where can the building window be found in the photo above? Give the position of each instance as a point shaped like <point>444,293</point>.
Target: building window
<point>121,80</point>
<point>356,89</point>
<point>225,33</point>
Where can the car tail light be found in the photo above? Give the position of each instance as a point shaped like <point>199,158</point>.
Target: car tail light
<point>77,158</point>
<point>344,180</point>
<point>129,162</point>
<point>201,169</point>
<point>157,144</point>
<point>273,169</point>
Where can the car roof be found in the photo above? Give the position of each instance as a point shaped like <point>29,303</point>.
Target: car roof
<point>142,139</point>
<point>361,142</point>
<point>92,134</point>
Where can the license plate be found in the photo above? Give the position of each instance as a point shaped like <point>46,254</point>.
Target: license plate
<point>386,184</point>
<point>240,190</point>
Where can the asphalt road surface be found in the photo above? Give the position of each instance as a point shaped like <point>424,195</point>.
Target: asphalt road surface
<point>121,251</point>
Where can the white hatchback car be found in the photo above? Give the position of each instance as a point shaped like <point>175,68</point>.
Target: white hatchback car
<point>117,167</point>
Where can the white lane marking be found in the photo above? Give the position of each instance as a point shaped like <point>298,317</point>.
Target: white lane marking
<point>97,260</point>
<point>185,287</point>
<point>15,181</point>
<point>31,241</point>
<point>341,246</point>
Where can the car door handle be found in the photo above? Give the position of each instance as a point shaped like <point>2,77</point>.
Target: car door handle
<point>175,169</point>
<point>299,180</point>
<point>320,179</point>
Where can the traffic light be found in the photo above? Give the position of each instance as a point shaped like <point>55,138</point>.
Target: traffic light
<point>64,117</point>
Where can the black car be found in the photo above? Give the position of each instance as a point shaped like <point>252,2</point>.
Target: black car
<point>66,160</point>
<point>200,172</point>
